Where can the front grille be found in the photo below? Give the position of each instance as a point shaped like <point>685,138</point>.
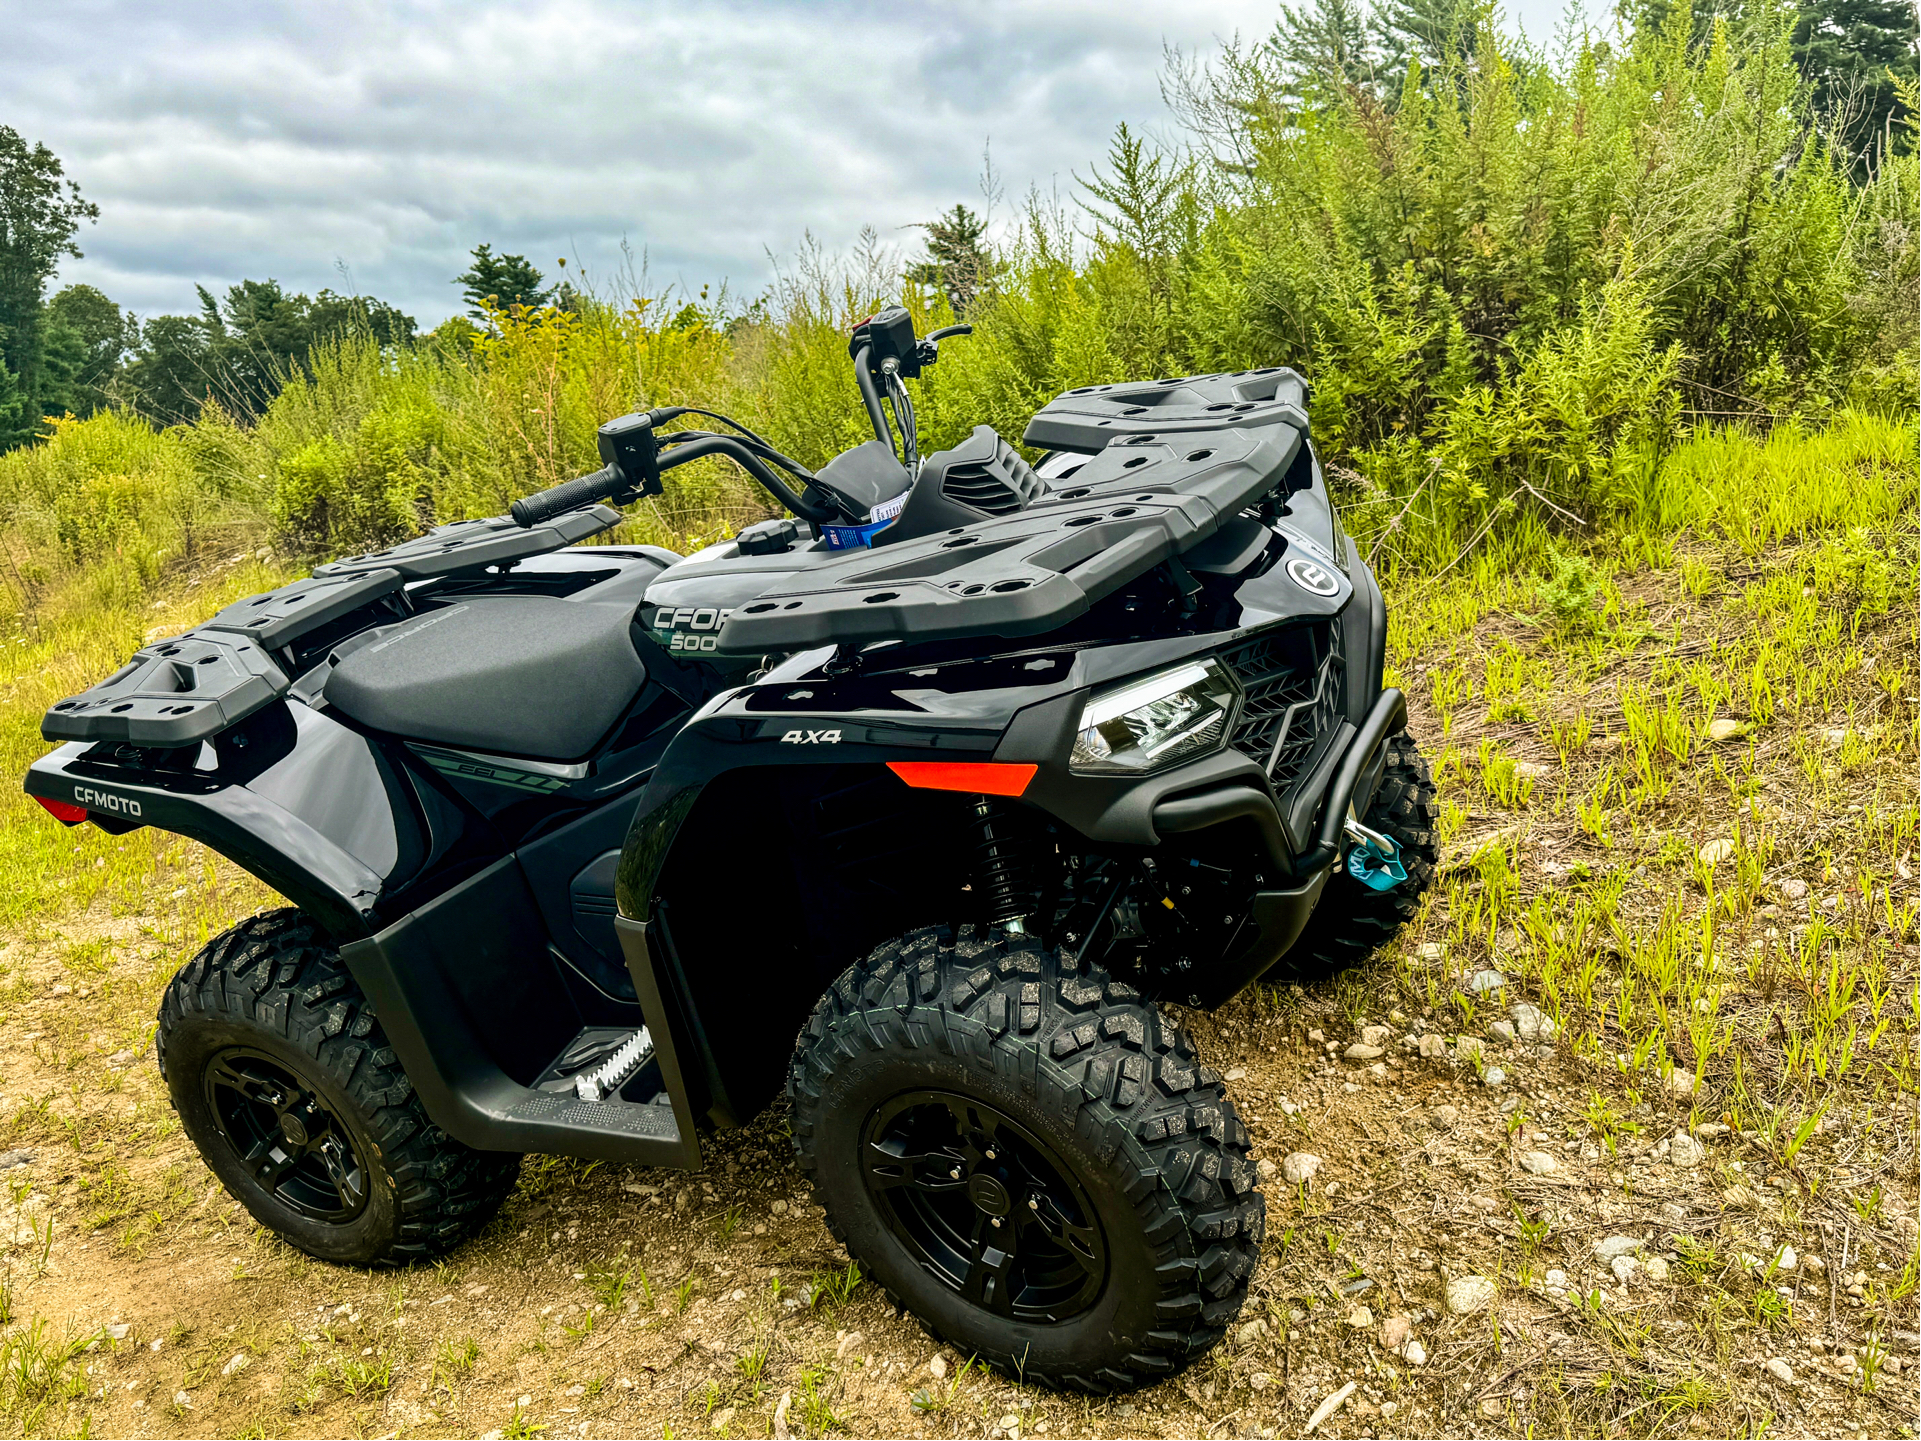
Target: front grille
<point>1293,680</point>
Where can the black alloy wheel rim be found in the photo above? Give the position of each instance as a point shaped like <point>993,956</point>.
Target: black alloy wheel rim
<point>984,1206</point>
<point>288,1139</point>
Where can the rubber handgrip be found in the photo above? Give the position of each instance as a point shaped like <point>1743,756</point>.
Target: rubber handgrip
<point>568,495</point>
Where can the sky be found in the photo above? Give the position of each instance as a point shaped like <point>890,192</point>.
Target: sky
<point>369,147</point>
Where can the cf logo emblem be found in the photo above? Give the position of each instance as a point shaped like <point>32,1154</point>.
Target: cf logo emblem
<point>1311,577</point>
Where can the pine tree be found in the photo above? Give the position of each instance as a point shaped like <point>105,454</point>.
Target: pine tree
<point>1845,50</point>
<point>500,281</point>
<point>1431,31</point>
<point>958,262</point>
<point>1324,48</point>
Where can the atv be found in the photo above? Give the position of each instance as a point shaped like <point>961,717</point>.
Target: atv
<point>924,806</point>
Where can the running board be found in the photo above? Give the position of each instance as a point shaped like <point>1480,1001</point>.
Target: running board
<point>487,919</point>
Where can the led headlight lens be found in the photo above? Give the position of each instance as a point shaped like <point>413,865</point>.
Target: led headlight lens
<point>1156,721</point>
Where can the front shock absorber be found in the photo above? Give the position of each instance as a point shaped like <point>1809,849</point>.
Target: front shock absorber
<point>1002,868</point>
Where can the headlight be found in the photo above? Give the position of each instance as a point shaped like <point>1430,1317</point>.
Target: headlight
<point>1146,724</point>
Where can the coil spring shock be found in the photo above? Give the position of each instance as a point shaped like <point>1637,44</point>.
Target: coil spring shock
<point>1001,869</point>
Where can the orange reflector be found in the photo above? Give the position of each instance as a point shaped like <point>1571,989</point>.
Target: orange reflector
<point>992,778</point>
<point>64,810</point>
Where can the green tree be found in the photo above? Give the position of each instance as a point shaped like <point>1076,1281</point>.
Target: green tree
<point>1323,47</point>
<point>87,337</point>
<point>1435,32</point>
<point>40,213</point>
<point>958,262</point>
<point>500,281</point>
<point>242,347</point>
<point>1851,53</point>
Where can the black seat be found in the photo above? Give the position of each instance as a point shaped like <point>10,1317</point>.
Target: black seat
<point>521,675</point>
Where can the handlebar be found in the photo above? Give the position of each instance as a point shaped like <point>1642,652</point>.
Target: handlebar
<point>586,490</point>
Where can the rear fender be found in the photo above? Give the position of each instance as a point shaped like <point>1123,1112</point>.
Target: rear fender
<point>307,805</point>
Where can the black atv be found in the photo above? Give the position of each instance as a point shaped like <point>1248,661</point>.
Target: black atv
<point>917,805</point>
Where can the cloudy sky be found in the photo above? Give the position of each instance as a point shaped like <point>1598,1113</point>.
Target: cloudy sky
<point>283,139</point>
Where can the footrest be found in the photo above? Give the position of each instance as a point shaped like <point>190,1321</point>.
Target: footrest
<point>636,1119</point>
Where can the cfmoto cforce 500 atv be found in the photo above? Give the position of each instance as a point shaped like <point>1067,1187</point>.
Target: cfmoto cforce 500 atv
<point>916,807</point>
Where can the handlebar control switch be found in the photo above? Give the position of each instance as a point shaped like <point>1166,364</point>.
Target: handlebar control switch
<point>889,335</point>
<point>769,537</point>
<point>627,445</point>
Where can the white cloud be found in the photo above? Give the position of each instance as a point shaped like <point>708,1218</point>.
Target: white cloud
<point>276,138</point>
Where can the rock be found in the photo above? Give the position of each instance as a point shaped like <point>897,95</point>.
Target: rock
<point>123,1058</point>
<point>1555,1277</point>
<point>1433,1047</point>
<point>1612,1246</point>
<point>1288,1108</point>
<point>1715,851</point>
<point>1414,1353</point>
<point>1260,1380</point>
<point>1532,770</point>
<point>1493,1076</point>
<point>1358,1052</point>
<point>1394,1332</point>
<point>1685,1151</point>
<point>1328,1407</point>
<point>1360,1318</point>
<point>120,1332</point>
<point>1781,1371</point>
<point>182,1400</point>
<point>1681,1083</point>
<point>1239,1073</point>
<point>1711,1130</point>
<point>1835,735</point>
<point>1786,1260</point>
<point>1624,1268</point>
<point>938,1366</point>
<point>720,1418</point>
<point>1725,729</point>
<point>1502,1031</point>
<point>1447,1115</point>
<point>1469,1048</point>
<point>781,1408</point>
<point>1536,1163</point>
<point>1252,1332</point>
<point>1378,1070</point>
<point>1468,1294</point>
<point>1375,1035</point>
<point>10,1159</point>
<point>1267,1169</point>
<point>1317,1038</point>
<point>1794,889</point>
<point>1298,1167</point>
<point>240,1362</point>
<point>1657,1270</point>
<point>1482,981</point>
<point>1530,1025</point>
<point>1009,1423</point>
<point>1430,952</point>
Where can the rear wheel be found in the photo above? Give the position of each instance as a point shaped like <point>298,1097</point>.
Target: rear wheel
<point>1352,919</point>
<point>1028,1156</point>
<point>284,1081</point>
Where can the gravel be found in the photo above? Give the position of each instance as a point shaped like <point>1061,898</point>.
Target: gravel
<point>1530,1025</point>
<point>1536,1163</point>
<point>1482,981</point>
<point>1685,1151</point>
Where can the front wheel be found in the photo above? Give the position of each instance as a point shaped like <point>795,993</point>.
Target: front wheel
<point>284,1081</point>
<point>1028,1156</point>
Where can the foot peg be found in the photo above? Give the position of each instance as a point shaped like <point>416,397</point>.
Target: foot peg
<point>618,1069</point>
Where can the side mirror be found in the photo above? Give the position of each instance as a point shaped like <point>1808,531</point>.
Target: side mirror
<point>628,446</point>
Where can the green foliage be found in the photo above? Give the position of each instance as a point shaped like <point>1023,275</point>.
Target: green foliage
<point>500,283</point>
<point>40,213</point>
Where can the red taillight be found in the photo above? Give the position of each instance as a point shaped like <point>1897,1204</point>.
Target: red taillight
<point>992,778</point>
<point>64,810</point>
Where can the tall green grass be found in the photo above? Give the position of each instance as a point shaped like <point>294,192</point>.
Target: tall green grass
<point>1515,285</point>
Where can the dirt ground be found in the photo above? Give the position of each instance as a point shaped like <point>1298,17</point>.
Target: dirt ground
<point>1512,1229</point>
